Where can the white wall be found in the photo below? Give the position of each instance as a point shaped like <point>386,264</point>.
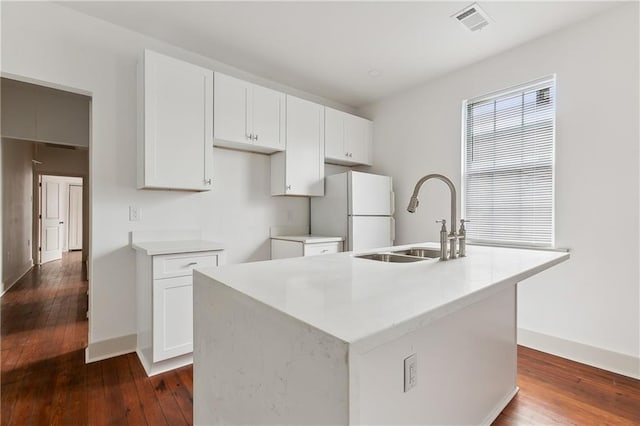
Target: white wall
<point>590,303</point>
<point>38,113</point>
<point>51,43</point>
<point>17,178</point>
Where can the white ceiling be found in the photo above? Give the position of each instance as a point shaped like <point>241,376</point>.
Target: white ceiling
<point>328,48</point>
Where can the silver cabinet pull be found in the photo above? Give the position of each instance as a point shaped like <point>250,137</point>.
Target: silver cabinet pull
<point>256,138</point>
<point>207,181</point>
<point>192,263</point>
<point>249,136</point>
<point>324,251</point>
<point>289,187</point>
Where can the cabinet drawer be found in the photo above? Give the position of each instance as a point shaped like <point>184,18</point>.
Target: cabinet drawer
<point>323,248</point>
<point>178,265</point>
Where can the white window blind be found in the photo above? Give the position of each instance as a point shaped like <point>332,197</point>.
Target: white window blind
<point>509,166</point>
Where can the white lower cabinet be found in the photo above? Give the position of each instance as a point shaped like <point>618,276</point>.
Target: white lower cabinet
<point>282,249</point>
<point>172,317</point>
<point>165,307</point>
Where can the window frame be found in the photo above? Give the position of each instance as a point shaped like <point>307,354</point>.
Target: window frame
<point>531,85</point>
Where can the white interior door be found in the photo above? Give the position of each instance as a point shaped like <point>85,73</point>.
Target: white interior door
<point>369,232</point>
<point>75,217</point>
<point>51,219</point>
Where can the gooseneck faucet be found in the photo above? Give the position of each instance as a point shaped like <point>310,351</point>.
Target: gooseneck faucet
<point>452,237</point>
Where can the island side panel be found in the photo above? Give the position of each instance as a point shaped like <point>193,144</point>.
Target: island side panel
<point>255,365</point>
<point>466,369</point>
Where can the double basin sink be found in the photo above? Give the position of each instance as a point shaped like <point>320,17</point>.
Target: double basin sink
<point>415,254</point>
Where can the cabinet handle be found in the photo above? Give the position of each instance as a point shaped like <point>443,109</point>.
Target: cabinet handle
<point>289,187</point>
<point>256,138</point>
<point>324,251</point>
<point>249,136</point>
<point>350,154</point>
<point>346,154</point>
<point>192,263</point>
<point>207,181</point>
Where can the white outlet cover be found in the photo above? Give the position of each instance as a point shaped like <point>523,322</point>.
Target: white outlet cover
<point>410,372</point>
<point>134,214</point>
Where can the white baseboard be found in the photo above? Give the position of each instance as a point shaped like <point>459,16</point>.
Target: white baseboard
<point>12,280</point>
<point>626,365</point>
<point>104,349</point>
<point>153,368</point>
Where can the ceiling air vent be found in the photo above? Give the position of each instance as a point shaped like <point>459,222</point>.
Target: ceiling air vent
<point>472,17</point>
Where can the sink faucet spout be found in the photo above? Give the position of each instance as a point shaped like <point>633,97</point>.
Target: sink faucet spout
<point>413,205</point>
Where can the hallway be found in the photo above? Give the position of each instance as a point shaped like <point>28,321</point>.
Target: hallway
<point>44,377</point>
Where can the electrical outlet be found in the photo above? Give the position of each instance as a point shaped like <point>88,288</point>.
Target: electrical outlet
<point>410,372</point>
<point>134,214</point>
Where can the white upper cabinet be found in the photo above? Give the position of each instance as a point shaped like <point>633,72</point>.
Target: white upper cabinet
<point>175,147</point>
<point>247,116</point>
<point>300,169</point>
<point>348,138</point>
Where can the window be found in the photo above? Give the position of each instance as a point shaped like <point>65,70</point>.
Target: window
<point>509,166</point>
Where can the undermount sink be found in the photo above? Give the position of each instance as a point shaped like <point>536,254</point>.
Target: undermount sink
<point>414,254</point>
<point>390,257</point>
<point>420,252</point>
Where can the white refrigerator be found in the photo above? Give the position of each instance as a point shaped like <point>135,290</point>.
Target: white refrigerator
<point>358,207</point>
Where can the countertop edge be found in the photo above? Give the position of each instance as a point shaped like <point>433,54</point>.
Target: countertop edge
<point>155,248</point>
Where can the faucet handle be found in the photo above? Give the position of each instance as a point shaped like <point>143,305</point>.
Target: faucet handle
<point>462,229</point>
<point>444,224</point>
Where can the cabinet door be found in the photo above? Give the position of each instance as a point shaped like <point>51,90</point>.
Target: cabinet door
<point>281,249</point>
<point>357,136</point>
<point>178,124</point>
<point>231,109</point>
<point>334,135</point>
<point>268,113</point>
<point>172,317</point>
<point>304,158</point>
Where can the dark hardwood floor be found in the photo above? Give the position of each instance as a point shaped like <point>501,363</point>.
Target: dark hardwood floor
<point>44,377</point>
<point>556,391</point>
<point>45,380</point>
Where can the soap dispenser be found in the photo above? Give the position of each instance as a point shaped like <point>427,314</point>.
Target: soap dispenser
<point>443,239</point>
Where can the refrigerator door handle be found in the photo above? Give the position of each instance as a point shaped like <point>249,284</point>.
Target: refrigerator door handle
<point>393,202</point>
<point>393,230</point>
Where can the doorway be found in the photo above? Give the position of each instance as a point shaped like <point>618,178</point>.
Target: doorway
<point>60,216</point>
<point>45,132</point>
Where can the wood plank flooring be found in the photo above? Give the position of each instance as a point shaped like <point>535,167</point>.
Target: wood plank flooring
<point>45,380</point>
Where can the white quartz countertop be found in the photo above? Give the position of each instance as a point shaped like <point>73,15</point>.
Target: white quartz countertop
<point>308,239</point>
<point>365,302</point>
<point>153,248</point>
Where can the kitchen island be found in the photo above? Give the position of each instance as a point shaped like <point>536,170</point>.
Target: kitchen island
<point>331,339</point>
